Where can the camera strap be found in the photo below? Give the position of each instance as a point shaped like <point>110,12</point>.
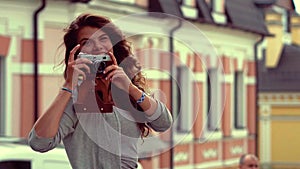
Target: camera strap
<point>94,97</point>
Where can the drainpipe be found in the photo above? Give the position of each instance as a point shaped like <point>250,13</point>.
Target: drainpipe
<point>257,91</point>
<point>35,57</point>
<point>173,87</point>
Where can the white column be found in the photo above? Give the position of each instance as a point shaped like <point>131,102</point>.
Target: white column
<point>265,133</point>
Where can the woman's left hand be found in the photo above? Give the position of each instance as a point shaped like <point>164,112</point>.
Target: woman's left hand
<point>116,75</point>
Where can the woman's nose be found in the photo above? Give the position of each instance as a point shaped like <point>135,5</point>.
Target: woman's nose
<point>98,46</point>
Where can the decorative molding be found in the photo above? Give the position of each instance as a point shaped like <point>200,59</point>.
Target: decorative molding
<point>27,68</point>
<point>182,166</point>
<point>189,12</point>
<point>200,77</point>
<point>181,156</point>
<point>182,138</point>
<point>236,150</point>
<point>117,6</point>
<point>228,78</point>
<point>3,25</point>
<point>287,38</point>
<point>292,99</point>
<point>219,18</point>
<point>294,118</point>
<point>250,80</point>
<point>213,164</point>
<point>153,74</point>
<point>231,162</point>
<point>239,133</point>
<point>265,110</point>
<point>265,134</point>
<point>211,135</point>
<point>210,153</point>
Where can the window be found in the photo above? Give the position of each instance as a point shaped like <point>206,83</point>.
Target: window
<point>239,100</point>
<point>288,22</point>
<point>214,104</point>
<point>15,165</point>
<point>185,97</point>
<point>2,95</point>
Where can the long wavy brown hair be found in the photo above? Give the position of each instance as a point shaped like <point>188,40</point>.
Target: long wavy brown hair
<point>121,49</point>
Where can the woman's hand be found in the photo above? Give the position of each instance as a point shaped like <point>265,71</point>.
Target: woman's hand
<point>120,79</point>
<point>76,68</point>
<point>116,75</point>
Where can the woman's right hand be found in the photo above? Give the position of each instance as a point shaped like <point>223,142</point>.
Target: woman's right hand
<point>76,68</point>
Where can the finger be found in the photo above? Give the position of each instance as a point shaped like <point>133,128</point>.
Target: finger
<point>83,67</point>
<point>110,74</point>
<point>83,60</point>
<point>80,72</point>
<point>70,64</point>
<point>72,53</point>
<point>114,73</point>
<point>110,68</point>
<point>113,58</point>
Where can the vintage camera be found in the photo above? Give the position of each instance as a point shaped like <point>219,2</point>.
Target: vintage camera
<point>95,97</point>
<point>100,62</point>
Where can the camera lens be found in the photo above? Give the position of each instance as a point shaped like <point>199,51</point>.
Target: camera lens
<point>101,67</point>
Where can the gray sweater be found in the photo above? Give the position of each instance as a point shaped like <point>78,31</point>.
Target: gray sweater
<point>101,140</point>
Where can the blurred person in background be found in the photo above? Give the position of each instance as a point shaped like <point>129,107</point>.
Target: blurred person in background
<point>248,161</point>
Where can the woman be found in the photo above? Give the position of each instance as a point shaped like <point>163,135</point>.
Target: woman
<point>99,140</point>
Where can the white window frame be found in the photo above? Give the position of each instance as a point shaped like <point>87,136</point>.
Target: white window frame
<point>239,131</point>
<point>185,94</point>
<point>239,100</point>
<point>2,96</point>
<point>214,100</point>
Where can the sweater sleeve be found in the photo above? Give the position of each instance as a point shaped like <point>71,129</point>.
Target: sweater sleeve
<point>161,120</point>
<point>66,126</point>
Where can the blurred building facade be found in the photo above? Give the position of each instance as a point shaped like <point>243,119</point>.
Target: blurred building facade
<point>279,87</point>
<point>209,134</point>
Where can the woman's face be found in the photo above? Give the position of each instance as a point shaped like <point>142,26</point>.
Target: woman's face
<point>94,41</point>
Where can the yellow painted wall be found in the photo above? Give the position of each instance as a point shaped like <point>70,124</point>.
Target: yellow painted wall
<point>287,111</point>
<point>285,137</point>
<point>274,44</point>
<point>295,30</point>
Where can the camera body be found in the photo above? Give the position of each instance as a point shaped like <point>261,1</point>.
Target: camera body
<point>99,62</point>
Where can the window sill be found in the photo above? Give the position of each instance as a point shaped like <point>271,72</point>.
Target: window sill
<point>183,138</point>
<point>212,135</point>
<point>239,133</point>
